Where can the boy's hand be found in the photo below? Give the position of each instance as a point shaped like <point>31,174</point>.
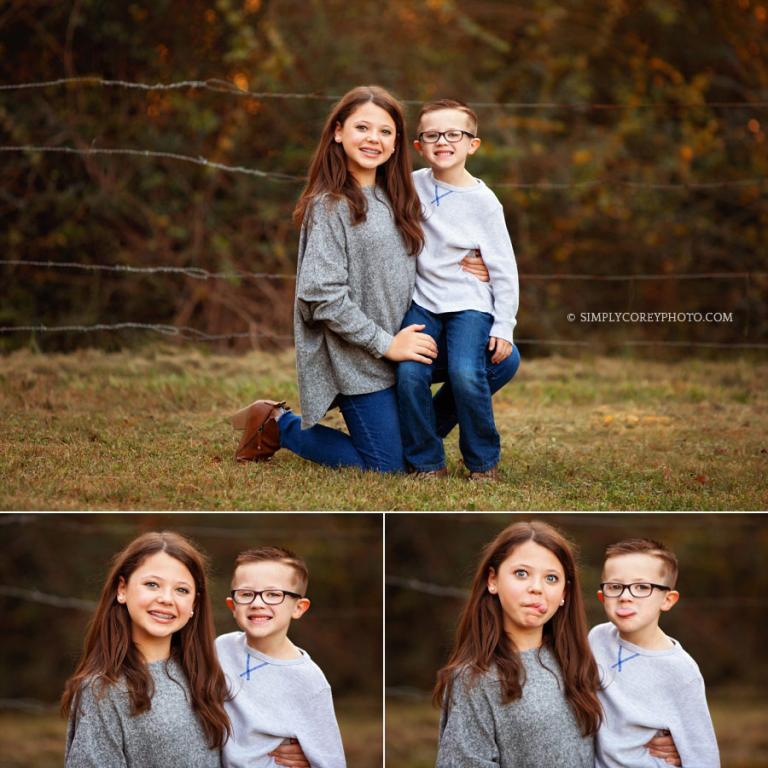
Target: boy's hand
<point>290,755</point>
<point>474,264</point>
<point>664,748</point>
<point>501,349</point>
<point>409,344</point>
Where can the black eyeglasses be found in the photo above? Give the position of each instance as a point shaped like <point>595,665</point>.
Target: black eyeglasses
<point>638,589</point>
<point>453,137</point>
<point>268,596</point>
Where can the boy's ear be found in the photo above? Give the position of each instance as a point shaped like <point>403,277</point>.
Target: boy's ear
<point>417,145</point>
<point>600,595</point>
<point>670,599</point>
<point>230,604</point>
<point>473,145</point>
<point>302,606</point>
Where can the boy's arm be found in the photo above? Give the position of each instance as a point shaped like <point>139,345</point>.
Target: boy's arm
<point>499,256</point>
<point>318,732</point>
<point>693,732</point>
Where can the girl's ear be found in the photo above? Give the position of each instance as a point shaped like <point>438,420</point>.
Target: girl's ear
<point>121,586</point>
<point>491,581</point>
<point>337,133</point>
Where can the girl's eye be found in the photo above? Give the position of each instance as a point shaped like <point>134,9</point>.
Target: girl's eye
<point>521,573</point>
<point>183,590</point>
<point>553,578</point>
<point>150,584</point>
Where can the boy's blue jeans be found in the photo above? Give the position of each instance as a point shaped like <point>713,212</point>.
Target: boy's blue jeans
<point>471,378</point>
<point>374,440</point>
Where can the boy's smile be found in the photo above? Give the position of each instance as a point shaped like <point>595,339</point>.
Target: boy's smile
<point>266,626</point>
<point>447,159</point>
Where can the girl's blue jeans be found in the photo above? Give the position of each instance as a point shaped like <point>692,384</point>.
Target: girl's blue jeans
<point>374,440</point>
<point>471,378</point>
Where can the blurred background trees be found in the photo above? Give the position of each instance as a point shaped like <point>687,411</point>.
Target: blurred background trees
<point>431,558</point>
<point>598,121</point>
<point>53,566</point>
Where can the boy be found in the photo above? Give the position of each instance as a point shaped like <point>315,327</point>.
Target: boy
<point>278,692</point>
<point>460,312</point>
<point>649,683</point>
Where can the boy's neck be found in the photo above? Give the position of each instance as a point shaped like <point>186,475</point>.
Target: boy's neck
<point>652,638</point>
<point>274,647</point>
<point>455,177</point>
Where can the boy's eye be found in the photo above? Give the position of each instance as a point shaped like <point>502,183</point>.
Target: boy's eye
<point>273,594</point>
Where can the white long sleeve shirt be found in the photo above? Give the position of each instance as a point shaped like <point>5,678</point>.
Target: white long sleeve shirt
<point>644,692</point>
<point>274,700</point>
<point>458,220</point>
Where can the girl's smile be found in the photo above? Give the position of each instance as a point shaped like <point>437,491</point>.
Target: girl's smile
<point>160,597</point>
<point>368,137</point>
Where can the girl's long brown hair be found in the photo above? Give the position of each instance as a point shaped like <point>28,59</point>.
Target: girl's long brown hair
<point>328,170</point>
<point>481,641</point>
<point>109,653</point>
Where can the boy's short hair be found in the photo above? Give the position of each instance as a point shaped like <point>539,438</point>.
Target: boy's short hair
<point>647,547</point>
<point>280,555</point>
<point>434,106</point>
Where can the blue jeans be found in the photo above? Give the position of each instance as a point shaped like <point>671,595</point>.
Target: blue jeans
<point>374,434</point>
<point>471,378</point>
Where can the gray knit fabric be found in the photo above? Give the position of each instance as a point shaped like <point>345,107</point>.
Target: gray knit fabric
<point>104,734</point>
<point>539,730</point>
<point>647,691</point>
<point>353,287</point>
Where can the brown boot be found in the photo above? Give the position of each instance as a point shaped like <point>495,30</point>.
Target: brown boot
<point>261,434</point>
<point>488,476</point>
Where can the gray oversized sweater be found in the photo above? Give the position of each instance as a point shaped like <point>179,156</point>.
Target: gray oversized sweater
<point>273,700</point>
<point>102,733</point>
<point>353,287</point>
<point>539,730</point>
<point>645,692</point>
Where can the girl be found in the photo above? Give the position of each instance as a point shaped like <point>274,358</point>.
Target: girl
<point>360,232</point>
<point>148,690</point>
<point>519,690</point>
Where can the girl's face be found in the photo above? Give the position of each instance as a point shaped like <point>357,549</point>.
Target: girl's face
<point>530,585</point>
<point>368,137</point>
<point>160,597</point>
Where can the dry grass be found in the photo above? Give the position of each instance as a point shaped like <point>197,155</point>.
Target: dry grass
<point>37,740</point>
<point>148,430</point>
<point>739,721</point>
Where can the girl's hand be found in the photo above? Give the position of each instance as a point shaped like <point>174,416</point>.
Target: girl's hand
<point>409,344</point>
<point>664,748</point>
<point>474,264</point>
<point>290,755</point>
<point>501,349</point>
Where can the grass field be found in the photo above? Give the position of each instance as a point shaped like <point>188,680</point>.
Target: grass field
<point>37,740</point>
<point>149,430</point>
<point>739,719</point>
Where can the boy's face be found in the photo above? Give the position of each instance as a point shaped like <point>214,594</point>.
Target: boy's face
<point>444,155</point>
<point>632,615</point>
<point>259,621</point>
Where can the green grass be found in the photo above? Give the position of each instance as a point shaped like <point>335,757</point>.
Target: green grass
<point>29,739</point>
<point>149,430</point>
<point>739,719</point>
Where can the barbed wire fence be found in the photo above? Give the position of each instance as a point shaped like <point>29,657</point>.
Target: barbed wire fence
<point>188,333</point>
